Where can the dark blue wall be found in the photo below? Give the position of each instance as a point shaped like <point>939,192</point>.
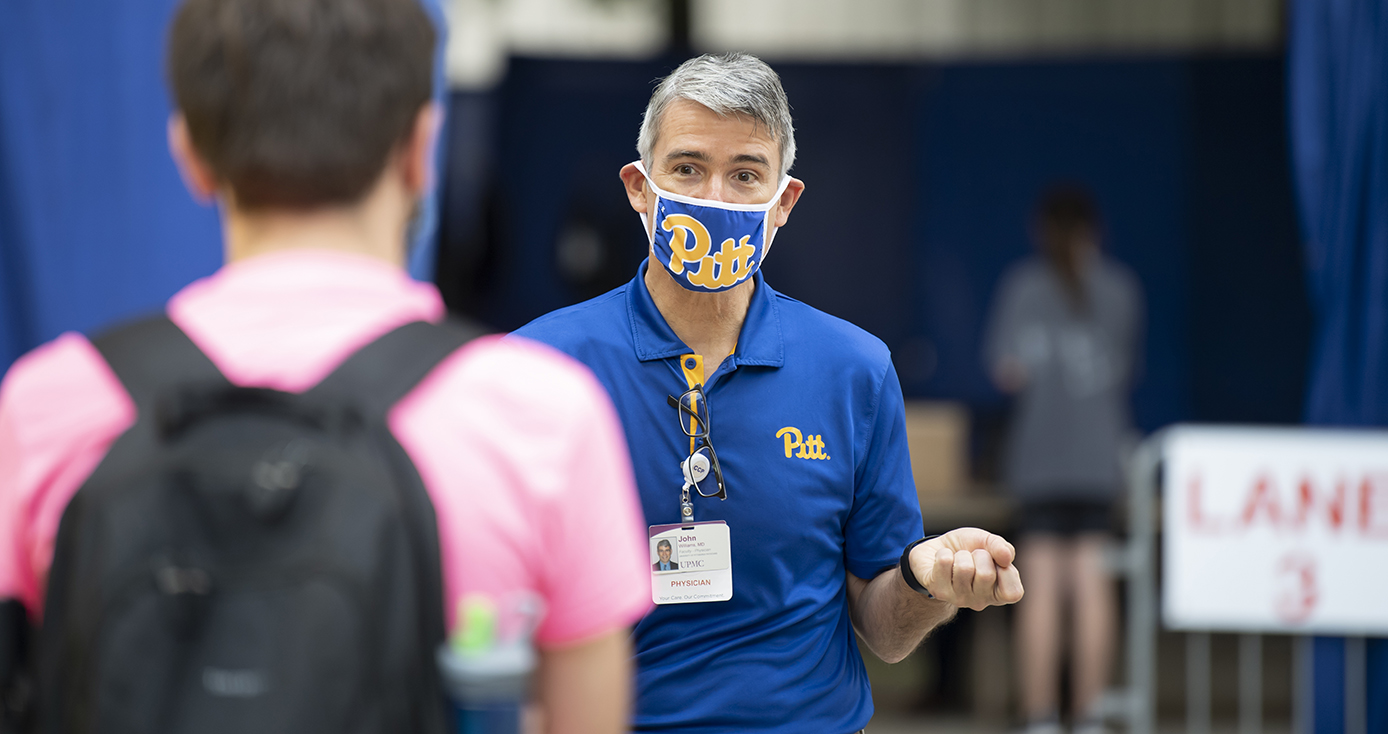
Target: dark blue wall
<point>1250,321</point>
<point>993,137</point>
<point>919,182</point>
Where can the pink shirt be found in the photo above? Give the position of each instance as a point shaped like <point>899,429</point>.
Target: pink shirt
<point>517,444</point>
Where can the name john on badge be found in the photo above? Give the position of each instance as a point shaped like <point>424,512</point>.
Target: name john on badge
<point>691,563</point>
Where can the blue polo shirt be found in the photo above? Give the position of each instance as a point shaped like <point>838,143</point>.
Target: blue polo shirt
<point>806,417</point>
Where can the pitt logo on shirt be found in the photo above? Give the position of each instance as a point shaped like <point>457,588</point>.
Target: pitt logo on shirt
<point>810,447</point>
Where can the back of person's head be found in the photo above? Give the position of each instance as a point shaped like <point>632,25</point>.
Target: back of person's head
<point>1067,232</point>
<point>298,104</point>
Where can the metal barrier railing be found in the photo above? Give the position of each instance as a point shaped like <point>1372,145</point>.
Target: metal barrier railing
<point>1135,703</point>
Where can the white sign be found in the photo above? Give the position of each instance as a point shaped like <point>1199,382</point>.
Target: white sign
<point>1276,530</point>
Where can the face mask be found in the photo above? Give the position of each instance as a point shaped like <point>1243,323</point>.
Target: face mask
<point>709,246</point>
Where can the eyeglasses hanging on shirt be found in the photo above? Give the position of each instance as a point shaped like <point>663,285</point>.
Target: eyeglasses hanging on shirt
<point>697,566</point>
<point>702,460</point>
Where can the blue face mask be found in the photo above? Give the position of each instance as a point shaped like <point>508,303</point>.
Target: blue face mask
<point>709,246</point>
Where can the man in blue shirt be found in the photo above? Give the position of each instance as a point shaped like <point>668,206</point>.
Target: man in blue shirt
<point>663,550</point>
<point>789,536</point>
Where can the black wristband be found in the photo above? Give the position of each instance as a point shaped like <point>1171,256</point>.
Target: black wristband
<point>908,575</point>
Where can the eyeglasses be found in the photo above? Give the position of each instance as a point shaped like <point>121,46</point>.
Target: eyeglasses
<point>693,408</point>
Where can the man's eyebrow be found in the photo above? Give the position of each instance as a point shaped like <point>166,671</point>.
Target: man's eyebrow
<point>695,154</point>
<point>749,158</point>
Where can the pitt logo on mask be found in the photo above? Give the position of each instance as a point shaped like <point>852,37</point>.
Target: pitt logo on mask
<point>688,227</point>
<point>720,270</point>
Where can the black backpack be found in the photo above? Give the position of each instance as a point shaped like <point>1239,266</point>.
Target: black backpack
<point>248,560</point>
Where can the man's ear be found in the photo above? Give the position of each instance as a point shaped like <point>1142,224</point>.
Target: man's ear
<point>638,193</point>
<point>794,189</point>
<point>417,160</point>
<point>635,184</point>
<point>197,174</point>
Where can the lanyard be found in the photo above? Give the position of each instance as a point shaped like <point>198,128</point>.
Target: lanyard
<point>702,460</point>
<point>692,367</point>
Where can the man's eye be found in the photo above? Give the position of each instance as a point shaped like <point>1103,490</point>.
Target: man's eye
<point>685,170</point>
<point>746,177</point>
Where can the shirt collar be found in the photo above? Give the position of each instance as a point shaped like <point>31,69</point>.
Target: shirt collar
<point>315,281</point>
<point>759,344</point>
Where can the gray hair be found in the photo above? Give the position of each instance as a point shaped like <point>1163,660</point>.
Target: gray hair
<point>729,84</point>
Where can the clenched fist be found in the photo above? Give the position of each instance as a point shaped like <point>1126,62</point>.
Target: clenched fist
<point>968,567</point>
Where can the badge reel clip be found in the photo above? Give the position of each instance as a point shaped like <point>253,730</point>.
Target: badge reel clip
<point>695,469</point>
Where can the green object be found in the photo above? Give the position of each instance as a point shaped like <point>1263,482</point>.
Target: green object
<point>476,630</point>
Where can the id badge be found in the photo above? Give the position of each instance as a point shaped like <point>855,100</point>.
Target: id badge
<point>691,563</point>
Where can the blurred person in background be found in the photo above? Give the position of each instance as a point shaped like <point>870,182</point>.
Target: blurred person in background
<point>309,124</point>
<point>1064,339</point>
<point>810,497</point>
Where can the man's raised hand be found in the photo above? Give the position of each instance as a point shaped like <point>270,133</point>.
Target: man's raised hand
<point>968,567</point>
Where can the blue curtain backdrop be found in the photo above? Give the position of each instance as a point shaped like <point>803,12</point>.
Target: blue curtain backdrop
<point>95,222</point>
<point>95,225</point>
<point>1339,114</point>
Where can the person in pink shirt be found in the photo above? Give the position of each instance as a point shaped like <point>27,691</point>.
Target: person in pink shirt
<point>317,174</point>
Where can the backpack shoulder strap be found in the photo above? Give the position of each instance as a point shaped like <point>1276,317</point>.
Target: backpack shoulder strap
<point>379,374</point>
<point>151,354</point>
<point>373,379</point>
<point>154,360</point>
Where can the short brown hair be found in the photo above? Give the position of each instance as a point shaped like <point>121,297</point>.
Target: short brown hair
<point>299,103</point>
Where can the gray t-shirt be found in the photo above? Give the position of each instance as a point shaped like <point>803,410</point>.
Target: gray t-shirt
<point>1071,419</point>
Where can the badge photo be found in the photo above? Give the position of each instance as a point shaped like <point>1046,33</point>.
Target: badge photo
<point>663,556</point>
